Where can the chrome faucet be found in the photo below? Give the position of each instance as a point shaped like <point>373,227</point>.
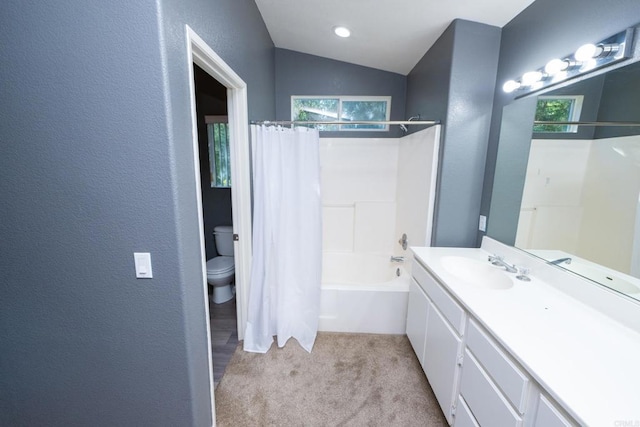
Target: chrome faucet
<point>498,260</point>
<point>560,261</point>
<point>397,258</point>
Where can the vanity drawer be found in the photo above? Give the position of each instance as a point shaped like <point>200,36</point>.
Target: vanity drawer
<point>449,308</point>
<point>507,376</point>
<point>485,400</point>
<point>464,417</point>
<point>548,415</point>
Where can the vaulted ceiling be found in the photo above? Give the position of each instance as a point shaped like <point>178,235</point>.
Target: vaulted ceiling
<point>390,35</point>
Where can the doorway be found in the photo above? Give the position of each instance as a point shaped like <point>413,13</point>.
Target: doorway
<point>215,168</point>
<point>200,54</point>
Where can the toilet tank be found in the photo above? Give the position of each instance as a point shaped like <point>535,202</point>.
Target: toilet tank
<point>223,235</point>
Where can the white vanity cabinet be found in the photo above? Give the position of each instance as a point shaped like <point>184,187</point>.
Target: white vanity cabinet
<point>417,313</point>
<point>435,323</point>
<point>548,415</point>
<point>494,388</point>
<point>476,381</point>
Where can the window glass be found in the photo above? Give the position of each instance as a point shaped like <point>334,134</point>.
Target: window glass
<point>558,109</point>
<point>364,110</point>
<point>346,108</point>
<point>316,109</point>
<point>219,152</point>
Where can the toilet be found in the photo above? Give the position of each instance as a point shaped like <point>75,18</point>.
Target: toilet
<point>221,269</point>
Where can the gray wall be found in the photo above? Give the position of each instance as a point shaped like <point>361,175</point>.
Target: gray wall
<point>301,74</point>
<point>511,167</point>
<point>96,163</point>
<point>620,101</point>
<point>454,82</point>
<point>545,30</point>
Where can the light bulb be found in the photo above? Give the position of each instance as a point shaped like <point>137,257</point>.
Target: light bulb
<point>588,65</point>
<point>342,31</point>
<point>555,66</point>
<point>510,86</point>
<point>587,52</point>
<point>531,78</point>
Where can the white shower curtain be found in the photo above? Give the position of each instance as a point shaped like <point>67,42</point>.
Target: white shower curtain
<point>284,293</point>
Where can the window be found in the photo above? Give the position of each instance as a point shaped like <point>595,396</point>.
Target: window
<point>558,109</point>
<point>342,108</point>
<point>219,153</point>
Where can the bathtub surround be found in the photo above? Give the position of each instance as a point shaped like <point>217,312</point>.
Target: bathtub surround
<point>284,292</point>
<point>348,379</point>
<point>373,191</point>
<point>416,187</point>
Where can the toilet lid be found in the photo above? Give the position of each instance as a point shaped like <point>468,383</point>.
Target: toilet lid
<point>220,264</point>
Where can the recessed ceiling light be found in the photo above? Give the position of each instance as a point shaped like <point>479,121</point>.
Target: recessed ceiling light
<point>342,31</point>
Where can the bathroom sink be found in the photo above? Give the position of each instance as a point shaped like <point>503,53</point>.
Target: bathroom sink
<point>476,273</point>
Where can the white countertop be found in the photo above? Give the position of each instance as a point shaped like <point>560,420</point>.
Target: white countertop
<point>584,359</point>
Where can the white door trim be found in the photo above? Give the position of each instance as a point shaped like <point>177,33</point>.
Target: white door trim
<point>200,53</point>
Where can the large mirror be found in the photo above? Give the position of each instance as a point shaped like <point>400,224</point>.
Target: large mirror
<point>571,193</point>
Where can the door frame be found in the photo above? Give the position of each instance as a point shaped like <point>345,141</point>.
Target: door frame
<point>201,54</point>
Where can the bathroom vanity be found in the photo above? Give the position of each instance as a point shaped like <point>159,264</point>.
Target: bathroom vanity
<point>498,351</point>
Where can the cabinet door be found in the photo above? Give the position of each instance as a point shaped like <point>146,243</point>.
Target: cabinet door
<point>464,417</point>
<point>442,348</point>
<point>417,319</point>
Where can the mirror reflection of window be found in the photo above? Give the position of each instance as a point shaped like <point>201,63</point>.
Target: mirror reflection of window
<point>558,109</point>
<point>219,152</point>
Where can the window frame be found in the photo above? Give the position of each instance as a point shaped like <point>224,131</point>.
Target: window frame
<point>349,98</point>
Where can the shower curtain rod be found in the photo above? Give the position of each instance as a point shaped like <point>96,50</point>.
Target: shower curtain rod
<point>542,122</point>
<point>353,122</point>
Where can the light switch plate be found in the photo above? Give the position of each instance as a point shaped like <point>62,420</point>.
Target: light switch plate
<point>482,224</point>
<point>143,265</point>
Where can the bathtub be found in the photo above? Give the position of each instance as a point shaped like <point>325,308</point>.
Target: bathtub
<point>364,293</point>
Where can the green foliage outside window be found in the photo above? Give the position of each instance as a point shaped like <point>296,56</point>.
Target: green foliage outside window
<point>219,154</point>
<point>316,109</point>
<point>554,110</point>
<point>364,110</point>
<point>345,108</point>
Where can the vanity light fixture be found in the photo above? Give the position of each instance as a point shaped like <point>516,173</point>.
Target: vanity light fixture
<point>587,58</point>
<point>590,51</point>
<point>532,77</point>
<point>511,85</point>
<point>343,32</point>
<point>557,66</point>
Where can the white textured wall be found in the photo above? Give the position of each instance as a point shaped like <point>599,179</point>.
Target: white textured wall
<point>415,195</point>
<point>610,198</point>
<point>373,190</point>
<point>581,197</point>
<point>551,202</point>
<point>358,178</point>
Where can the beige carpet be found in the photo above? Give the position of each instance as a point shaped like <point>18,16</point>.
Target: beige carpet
<point>348,380</point>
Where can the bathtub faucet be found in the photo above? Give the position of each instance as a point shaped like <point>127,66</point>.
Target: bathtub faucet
<point>397,258</point>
